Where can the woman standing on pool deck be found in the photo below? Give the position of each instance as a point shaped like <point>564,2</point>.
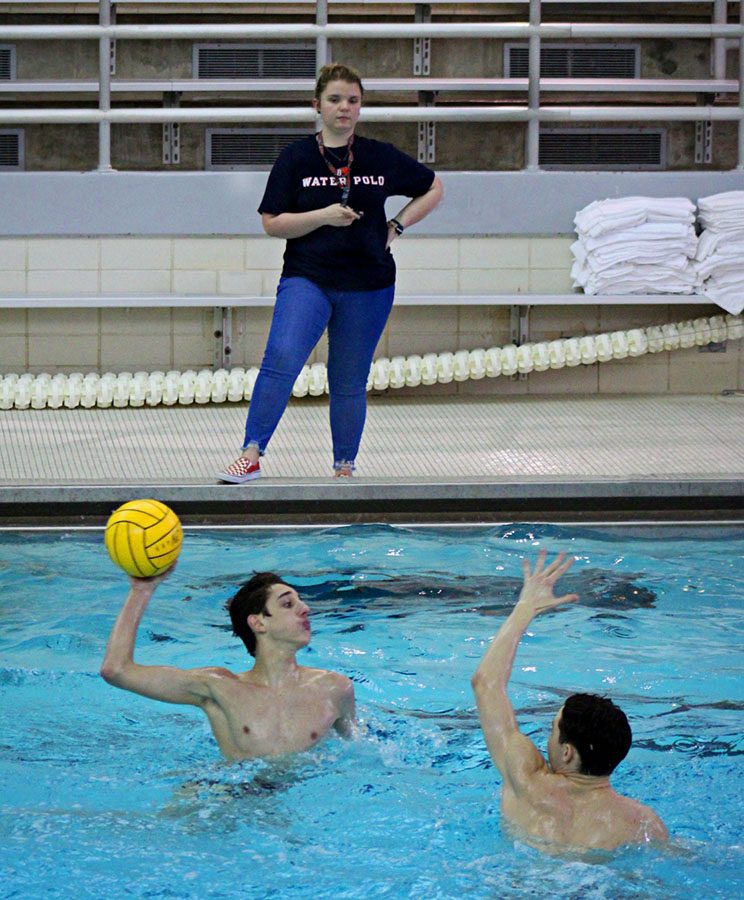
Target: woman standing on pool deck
<point>326,196</point>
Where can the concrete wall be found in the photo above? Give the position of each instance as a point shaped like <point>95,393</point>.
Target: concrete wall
<point>381,58</point>
<point>481,147</point>
<point>212,203</point>
<point>60,340</point>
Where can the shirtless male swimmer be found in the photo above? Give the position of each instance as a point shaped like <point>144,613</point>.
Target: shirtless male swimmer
<point>276,707</point>
<point>568,801</point>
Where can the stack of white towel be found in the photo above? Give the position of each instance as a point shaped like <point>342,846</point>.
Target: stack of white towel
<point>635,245</point>
<point>720,253</point>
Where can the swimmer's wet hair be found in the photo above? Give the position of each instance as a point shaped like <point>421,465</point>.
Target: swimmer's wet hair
<point>250,600</point>
<point>598,730</point>
<point>337,72</point>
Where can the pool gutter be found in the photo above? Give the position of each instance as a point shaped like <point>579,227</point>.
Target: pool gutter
<point>317,501</point>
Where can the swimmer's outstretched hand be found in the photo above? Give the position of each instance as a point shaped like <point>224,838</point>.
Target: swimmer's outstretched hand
<point>537,592</point>
<point>341,216</point>
<point>153,581</point>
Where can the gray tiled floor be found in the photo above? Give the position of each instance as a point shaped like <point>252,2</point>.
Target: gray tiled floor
<point>525,439</point>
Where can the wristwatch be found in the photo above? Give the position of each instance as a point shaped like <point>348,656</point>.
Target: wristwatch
<point>399,229</point>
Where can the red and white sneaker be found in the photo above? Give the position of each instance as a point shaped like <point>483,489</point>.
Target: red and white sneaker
<point>240,471</point>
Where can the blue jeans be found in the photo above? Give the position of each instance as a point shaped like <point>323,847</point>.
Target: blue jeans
<point>303,310</point>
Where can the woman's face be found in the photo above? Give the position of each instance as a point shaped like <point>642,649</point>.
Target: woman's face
<point>339,107</point>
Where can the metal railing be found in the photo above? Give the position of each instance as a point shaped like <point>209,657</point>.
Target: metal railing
<point>322,32</point>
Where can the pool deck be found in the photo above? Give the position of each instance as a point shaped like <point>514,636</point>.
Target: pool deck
<point>489,458</point>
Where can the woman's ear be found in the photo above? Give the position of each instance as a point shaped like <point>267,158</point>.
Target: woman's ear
<point>316,104</point>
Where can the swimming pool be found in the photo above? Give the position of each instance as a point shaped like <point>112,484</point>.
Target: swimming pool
<point>111,795</point>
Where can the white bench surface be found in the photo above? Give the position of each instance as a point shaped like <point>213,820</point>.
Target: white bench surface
<point>131,301</point>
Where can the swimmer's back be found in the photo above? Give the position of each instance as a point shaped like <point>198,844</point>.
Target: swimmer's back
<point>556,811</point>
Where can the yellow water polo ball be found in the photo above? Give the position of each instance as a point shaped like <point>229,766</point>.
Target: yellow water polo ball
<point>144,537</point>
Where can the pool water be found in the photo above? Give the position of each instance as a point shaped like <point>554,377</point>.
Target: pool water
<point>106,794</point>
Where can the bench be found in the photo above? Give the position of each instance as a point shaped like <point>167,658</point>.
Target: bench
<point>223,305</point>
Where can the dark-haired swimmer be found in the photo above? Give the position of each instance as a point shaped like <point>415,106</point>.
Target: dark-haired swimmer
<point>277,707</point>
<point>568,800</point>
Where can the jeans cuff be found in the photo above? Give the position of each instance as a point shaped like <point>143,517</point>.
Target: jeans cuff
<point>253,445</point>
<point>344,464</point>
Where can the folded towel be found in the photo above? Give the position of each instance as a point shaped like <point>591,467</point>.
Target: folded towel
<point>724,201</point>
<point>646,231</point>
<point>669,261</point>
<point>631,286</point>
<point>604,216</point>
<point>728,297</point>
<point>722,212</point>
<point>720,254</point>
<point>672,268</point>
<point>727,242</point>
<point>636,245</point>
<point>646,245</point>
<point>726,222</point>
<point>643,251</point>
<point>726,277</point>
<point>722,262</point>
<point>639,279</point>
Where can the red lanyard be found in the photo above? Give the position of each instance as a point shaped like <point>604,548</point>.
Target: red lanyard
<point>343,172</point>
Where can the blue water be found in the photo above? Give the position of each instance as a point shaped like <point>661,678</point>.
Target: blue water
<point>106,794</point>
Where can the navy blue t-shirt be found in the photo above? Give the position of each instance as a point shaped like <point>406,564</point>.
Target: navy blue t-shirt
<point>351,258</point>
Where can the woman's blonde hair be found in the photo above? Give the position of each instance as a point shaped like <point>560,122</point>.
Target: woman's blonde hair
<point>336,72</point>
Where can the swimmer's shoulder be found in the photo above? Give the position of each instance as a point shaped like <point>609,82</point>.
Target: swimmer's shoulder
<point>649,824</point>
<point>636,823</point>
<point>328,679</point>
<point>215,672</point>
<point>640,825</point>
<point>216,677</point>
<point>524,769</point>
<point>207,683</point>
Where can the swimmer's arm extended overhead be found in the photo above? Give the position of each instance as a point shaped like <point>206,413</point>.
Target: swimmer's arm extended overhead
<point>514,754</point>
<point>165,683</point>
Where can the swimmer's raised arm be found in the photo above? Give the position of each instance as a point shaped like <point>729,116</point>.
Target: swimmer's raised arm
<point>514,754</point>
<point>165,683</point>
